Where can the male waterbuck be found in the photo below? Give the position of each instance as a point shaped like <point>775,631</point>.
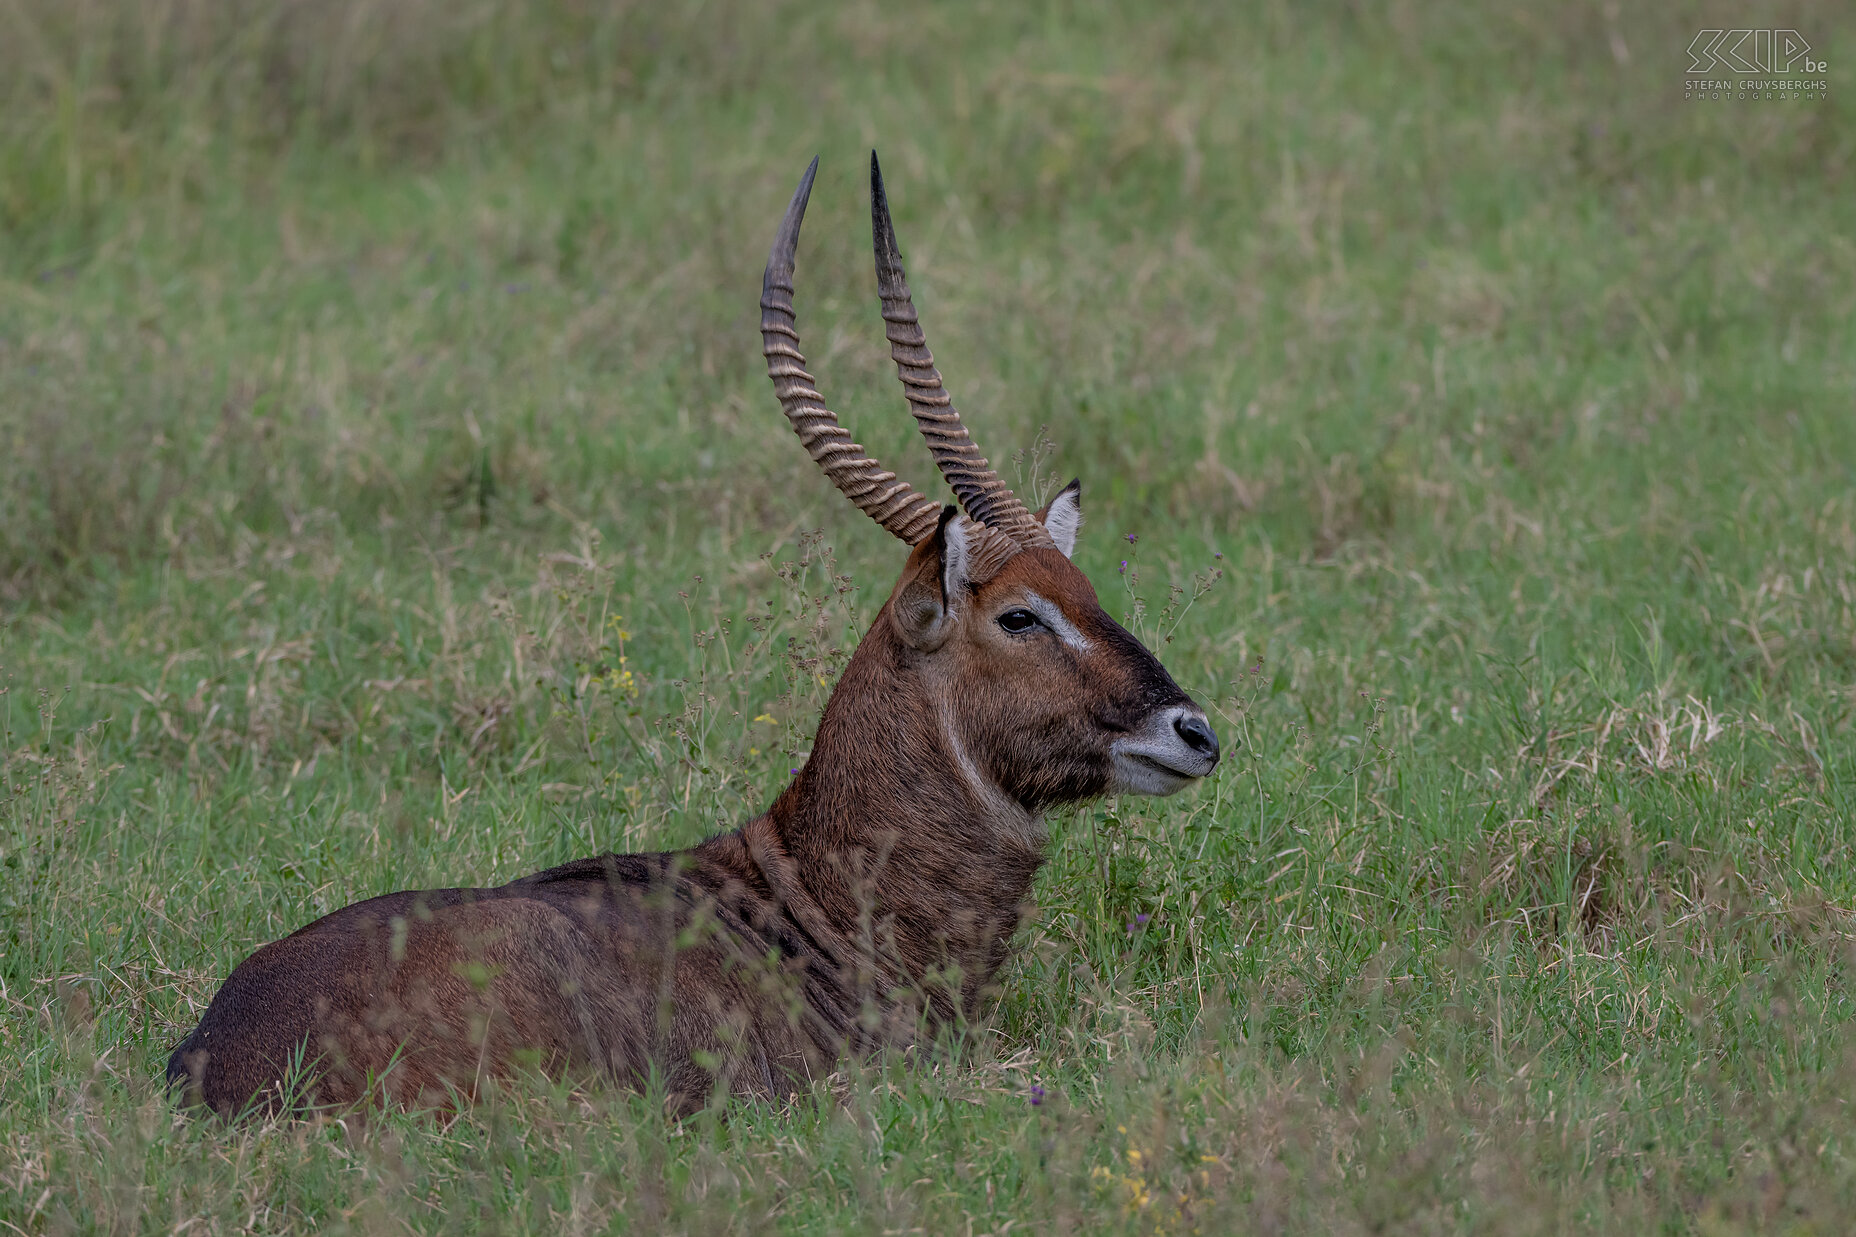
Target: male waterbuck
<point>874,901</point>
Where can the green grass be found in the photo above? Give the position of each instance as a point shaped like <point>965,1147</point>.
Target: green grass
<point>365,371</point>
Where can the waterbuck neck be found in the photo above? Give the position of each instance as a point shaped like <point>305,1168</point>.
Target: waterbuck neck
<point>899,836</point>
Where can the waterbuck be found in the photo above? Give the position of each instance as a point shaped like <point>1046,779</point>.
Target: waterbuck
<point>873,902</point>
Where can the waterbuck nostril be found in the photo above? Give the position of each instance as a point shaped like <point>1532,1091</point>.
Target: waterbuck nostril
<point>1197,732</point>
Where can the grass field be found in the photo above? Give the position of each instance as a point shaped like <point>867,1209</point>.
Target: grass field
<point>391,495</point>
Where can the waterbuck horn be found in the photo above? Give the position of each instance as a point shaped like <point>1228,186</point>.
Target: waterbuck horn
<point>987,499</point>
<point>896,505</point>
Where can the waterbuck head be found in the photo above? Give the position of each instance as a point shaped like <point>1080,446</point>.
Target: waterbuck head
<point>993,644</point>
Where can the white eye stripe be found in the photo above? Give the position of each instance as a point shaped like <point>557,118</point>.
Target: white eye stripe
<point>1053,617</point>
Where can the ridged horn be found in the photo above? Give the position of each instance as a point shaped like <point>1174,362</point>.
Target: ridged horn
<point>985,496</point>
<point>896,505</point>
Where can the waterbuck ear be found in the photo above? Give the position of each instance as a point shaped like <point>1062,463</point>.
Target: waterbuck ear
<point>1063,515</point>
<point>956,560</point>
<point>934,584</point>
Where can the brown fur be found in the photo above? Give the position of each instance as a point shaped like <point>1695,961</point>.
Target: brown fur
<point>874,901</point>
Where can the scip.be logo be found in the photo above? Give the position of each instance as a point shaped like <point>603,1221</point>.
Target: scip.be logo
<point>1751,51</point>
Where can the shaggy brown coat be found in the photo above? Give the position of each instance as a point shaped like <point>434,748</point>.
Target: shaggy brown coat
<point>873,903</point>
<point>874,900</point>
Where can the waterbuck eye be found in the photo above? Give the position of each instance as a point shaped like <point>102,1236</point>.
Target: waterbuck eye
<point>1018,621</point>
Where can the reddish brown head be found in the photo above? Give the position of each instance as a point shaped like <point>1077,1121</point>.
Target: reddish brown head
<point>993,641</point>
<point>1045,695</point>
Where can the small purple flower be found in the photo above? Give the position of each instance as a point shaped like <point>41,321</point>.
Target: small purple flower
<point>1131,538</point>
<point>1037,1095</point>
<point>1123,569</point>
<point>1217,553</point>
<point>793,771</point>
<point>1137,922</point>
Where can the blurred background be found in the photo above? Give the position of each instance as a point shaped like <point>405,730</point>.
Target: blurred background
<point>391,495</point>
<point>1287,264</point>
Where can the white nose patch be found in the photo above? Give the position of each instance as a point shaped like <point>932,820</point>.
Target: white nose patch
<point>1157,760</point>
